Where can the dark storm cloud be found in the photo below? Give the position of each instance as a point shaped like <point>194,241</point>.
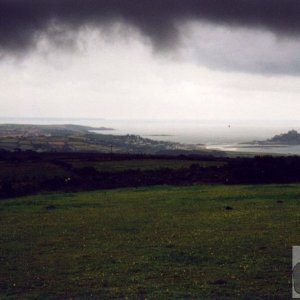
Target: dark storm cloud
<point>22,22</point>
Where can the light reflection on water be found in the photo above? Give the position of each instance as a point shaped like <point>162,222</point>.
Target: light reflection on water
<point>283,149</point>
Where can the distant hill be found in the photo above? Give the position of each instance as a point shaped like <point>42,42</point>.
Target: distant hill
<point>292,137</point>
<point>30,130</point>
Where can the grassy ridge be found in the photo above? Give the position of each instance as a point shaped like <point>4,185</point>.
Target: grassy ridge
<point>23,174</point>
<point>142,164</point>
<point>206,242</point>
<point>22,170</point>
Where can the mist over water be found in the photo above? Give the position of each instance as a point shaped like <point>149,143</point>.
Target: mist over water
<point>224,135</point>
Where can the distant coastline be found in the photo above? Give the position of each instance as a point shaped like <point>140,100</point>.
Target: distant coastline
<point>80,138</point>
<point>158,135</point>
<point>192,132</point>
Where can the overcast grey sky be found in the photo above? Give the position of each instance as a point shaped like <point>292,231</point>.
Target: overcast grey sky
<point>212,60</point>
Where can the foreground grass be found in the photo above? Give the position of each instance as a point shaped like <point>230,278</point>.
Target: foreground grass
<point>163,242</point>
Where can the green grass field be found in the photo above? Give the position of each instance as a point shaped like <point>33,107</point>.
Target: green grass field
<point>154,243</point>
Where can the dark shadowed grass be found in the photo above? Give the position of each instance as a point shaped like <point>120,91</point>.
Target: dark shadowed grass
<point>22,171</point>
<point>162,242</point>
<point>143,164</point>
